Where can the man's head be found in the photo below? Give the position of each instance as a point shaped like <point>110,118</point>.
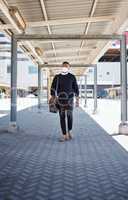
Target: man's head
<point>65,66</point>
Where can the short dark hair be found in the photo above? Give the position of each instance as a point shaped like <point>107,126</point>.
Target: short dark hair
<point>65,62</point>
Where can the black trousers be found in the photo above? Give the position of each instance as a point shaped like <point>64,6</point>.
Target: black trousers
<point>66,115</point>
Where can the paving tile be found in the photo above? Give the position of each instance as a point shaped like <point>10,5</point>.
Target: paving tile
<point>34,165</point>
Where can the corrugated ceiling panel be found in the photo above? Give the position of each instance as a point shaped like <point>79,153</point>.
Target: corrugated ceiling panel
<point>68,29</point>
<point>45,47</point>
<point>37,30</point>
<point>62,9</point>
<point>98,28</point>
<point>67,44</point>
<point>67,54</point>
<point>109,7</point>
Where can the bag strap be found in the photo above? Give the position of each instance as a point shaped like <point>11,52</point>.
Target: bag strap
<point>57,84</point>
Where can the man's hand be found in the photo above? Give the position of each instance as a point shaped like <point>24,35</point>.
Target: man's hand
<point>52,99</point>
<point>77,101</point>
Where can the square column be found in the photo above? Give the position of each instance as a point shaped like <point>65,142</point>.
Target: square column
<point>13,111</point>
<point>123,127</point>
<point>39,87</point>
<point>80,88</point>
<point>85,90</point>
<point>95,90</point>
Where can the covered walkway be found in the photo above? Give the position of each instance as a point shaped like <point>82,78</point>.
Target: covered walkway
<point>35,166</point>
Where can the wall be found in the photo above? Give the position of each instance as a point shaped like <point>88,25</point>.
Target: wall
<point>24,79</point>
<point>107,74</point>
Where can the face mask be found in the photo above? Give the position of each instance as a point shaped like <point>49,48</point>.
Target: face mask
<point>65,69</point>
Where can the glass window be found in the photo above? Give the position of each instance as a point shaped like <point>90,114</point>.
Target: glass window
<point>32,70</point>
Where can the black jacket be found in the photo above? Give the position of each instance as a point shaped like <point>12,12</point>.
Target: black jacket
<point>65,87</point>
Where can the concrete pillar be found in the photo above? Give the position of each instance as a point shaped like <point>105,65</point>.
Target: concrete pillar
<point>42,91</point>
<point>81,88</point>
<point>85,90</point>
<point>95,89</point>
<point>39,87</point>
<point>123,127</point>
<point>48,88</point>
<point>13,111</point>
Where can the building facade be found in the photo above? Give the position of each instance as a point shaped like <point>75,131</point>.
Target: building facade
<point>108,75</point>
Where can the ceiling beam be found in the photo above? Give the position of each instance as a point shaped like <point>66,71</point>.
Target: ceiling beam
<point>66,50</point>
<point>62,22</point>
<point>71,62</point>
<point>72,66</point>
<point>55,41</point>
<point>46,20</point>
<point>65,58</point>
<point>67,37</point>
<point>94,4</point>
<point>70,21</point>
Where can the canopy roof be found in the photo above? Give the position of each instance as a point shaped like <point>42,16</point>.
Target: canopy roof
<point>66,17</point>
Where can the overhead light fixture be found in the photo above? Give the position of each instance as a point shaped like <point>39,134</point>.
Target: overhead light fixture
<point>39,51</point>
<point>16,15</point>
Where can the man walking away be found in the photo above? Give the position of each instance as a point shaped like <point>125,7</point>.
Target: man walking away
<point>66,87</point>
